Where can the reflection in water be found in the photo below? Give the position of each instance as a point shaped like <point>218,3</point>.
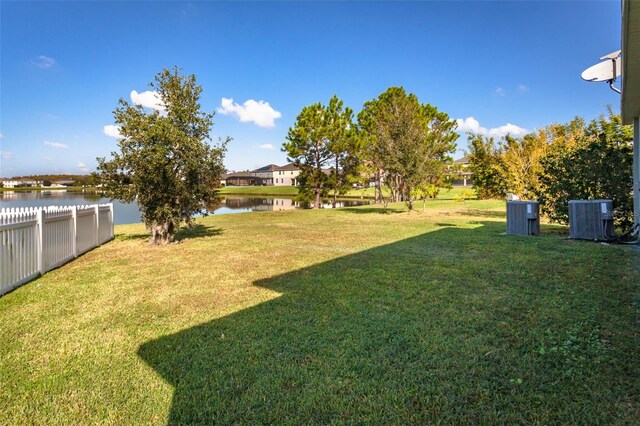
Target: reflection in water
<point>123,213</point>
<point>281,204</point>
<point>129,213</point>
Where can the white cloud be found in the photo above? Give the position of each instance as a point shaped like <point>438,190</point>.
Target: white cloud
<point>47,158</point>
<point>1,136</point>
<point>507,129</point>
<point>148,99</point>
<point>472,125</point>
<point>260,113</point>
<point>82,167</point>
<point>6,155</point>
<point>266,146</point>
<point>43,62</point>
<point>56,145</point>
<point>500,91</point>
<point>522,88</point>
<point>112,131</point>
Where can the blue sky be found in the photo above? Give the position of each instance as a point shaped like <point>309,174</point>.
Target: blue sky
<point>64,65</point>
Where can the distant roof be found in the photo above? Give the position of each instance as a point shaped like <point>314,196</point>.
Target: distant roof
<point>463,160</point>
<point>289,166</point>
<point>269,168</point>
<point>238,174</point>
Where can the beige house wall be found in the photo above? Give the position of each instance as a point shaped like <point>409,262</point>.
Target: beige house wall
<point>285,177</point>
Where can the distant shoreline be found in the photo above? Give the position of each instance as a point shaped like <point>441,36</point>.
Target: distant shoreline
<point>46,188</point>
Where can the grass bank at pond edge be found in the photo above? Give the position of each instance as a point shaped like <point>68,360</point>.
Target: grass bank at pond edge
<point>288,191</point>
<point>291,191</point>
<point>329,316</point>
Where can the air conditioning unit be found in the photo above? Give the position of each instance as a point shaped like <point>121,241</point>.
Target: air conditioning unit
<point>591,219</point>
<point>523,218</point>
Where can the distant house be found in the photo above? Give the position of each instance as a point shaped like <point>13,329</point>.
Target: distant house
<point>10,183</point>
<point>286,175</point>
<point>464,175</point>
<point>266,173</point>
<point>241,179</point>
<point>271,175</point>
<point>20,183</point>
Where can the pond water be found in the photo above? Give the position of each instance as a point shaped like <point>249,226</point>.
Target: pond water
<point>129,213</point>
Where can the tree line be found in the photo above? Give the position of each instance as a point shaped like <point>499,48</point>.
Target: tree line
<point>166,161</point>
<point>561,162</point>
<point>400,144</point>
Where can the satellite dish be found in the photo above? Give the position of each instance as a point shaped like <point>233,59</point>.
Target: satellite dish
<point>612,55</point>
<point>604,71</point>
<point>607,70</point>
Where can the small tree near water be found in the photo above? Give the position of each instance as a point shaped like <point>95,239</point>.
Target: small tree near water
<point>165,163</point>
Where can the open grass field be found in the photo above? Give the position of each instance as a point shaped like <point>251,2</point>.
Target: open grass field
<point>344,316</point>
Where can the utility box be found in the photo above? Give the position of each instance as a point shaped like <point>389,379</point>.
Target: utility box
<point>591,220</point>
<point>523,218</point>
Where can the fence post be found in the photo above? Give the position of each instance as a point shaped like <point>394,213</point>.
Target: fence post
<point>40,242</point>
<point>96,209</point>
<point>74,234</point>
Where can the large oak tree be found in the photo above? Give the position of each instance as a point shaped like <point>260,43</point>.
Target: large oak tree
<point>165,162</point>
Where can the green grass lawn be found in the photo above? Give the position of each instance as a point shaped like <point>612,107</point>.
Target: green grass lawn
<point>260,190</point>
<point>331,316</point>
<point>445,194</point>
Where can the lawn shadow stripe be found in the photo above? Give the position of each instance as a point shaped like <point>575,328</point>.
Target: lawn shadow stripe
<point>392,334</point>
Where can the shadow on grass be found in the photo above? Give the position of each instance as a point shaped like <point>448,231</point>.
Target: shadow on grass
<point>483,213</point>
<point>130,237</point>
<point>425,329</point>
<point>369,210</point>
<point>197,231</point>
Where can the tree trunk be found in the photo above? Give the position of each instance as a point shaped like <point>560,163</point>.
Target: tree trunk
<point>316,204</point>
<point>398,189</point>
<point>335,184</point>
<point>162,233</point>
<point>378,187</point>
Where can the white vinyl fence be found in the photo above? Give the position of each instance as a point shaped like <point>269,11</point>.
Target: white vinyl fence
<point>36,240</point>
